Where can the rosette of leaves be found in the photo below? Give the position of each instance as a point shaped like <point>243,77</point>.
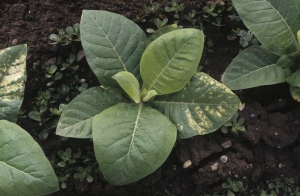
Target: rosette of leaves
<point>275,24</point>
<point>161,98</point>
<point>24,169</point>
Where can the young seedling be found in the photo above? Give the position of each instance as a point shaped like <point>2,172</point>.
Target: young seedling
<point>150,95</point>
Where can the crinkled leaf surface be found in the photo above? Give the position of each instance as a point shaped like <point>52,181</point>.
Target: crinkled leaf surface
<point>202,107</point>
<point>25,171</point>
<point>295,92</point>
<point>111,43</point>
<point>255,66</point>
<point>129,84</point>
<point>294,79</point>
<point>162,31</point>
<point>12,81</point>
<point>131,141</point>
<point>76,119</point>
<point>275,23</point>
<point>170,61</point>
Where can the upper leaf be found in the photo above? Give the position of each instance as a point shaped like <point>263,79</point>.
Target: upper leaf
<point>25,171</point>
<point>254,66</point>
<point>76,119</point>
<point>275,23</point>
<point>111,44</point>
<point>131,141</point>
<point>12,81</point>
<point>129,84</point>
<point>202,107</point>
<point>162,31</point>
<point>171,60</point>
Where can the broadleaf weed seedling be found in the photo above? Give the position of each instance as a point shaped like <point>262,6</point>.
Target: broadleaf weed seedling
<point>175,7</point>
<point>50,103</point>
<point>233,187</point>
<point>71,34</point>
<point>235,124</point>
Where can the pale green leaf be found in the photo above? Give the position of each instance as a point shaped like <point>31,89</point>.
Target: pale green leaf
<point>171,60</point>
<point>131,141</point>
<point>298,37</point>
<point>162,31</point>
<point>202,107</point>
<point>76,119</point>
<point>150,94</point>
<point>294,79</point>
<point>295,92</point>
<point>12,81</point>
<point>255,66</point>
<point>25,170</point>
<point>129,84</point>
<point>274,23</point>
<point>111,43</point>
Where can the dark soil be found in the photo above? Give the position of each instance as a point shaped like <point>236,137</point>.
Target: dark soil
<point>269,147</point>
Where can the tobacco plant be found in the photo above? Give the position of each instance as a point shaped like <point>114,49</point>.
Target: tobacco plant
<point>24,169</point>
<point>275,24</point>
<point>161,98</point>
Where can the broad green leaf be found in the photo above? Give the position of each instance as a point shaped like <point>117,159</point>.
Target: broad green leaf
<point>12,81</point>
<point>171,60</point>
<point>76,119</point>
<point>255,66</point>
<point>273,22</point>
<point>111,43</point>
<point>295,92</point>
<point>162,31</point>
<point>131,142</point>
<point>294,79</point>
<point>202,107</point>
<point>25,171</point>
<point>129,84</point>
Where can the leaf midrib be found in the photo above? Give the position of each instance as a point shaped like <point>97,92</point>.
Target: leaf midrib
<point>246,75</point>
<point>113,47</point>
<point>133,134</point>
<point>9,166</point>
<point>135,127</point>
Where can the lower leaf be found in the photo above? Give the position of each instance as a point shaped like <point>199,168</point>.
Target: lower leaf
<point>131,142</point>
<point>24,169</point>
<point>12,81</point>
<point>202,107</point>
<point>294,79</point>
<point>76,119</point>
<point>295,92</point>
<point>255,66</point>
